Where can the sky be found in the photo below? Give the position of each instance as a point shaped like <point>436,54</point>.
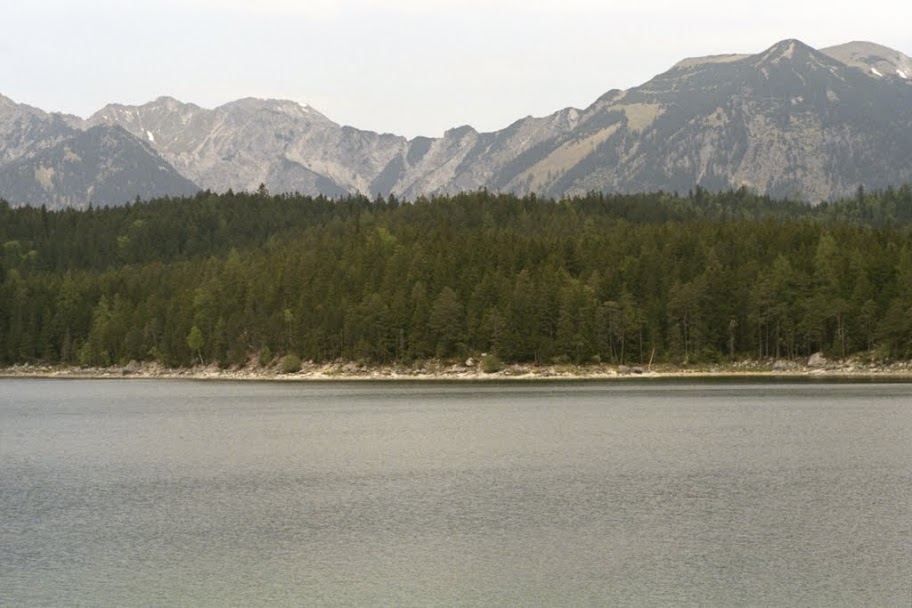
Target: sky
<point>410,67</point>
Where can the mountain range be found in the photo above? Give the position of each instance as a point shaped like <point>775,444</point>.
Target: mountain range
<point>790,121</point>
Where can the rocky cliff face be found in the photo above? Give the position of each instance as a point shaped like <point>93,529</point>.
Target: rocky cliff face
<point>24,130</point>
<point>50,159</point>
<point>790,121</point>
<point>242,144</point>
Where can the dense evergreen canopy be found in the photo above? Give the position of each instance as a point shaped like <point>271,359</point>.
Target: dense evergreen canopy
<point>620,278</point>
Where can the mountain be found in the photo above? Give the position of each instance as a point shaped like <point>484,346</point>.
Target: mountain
<point>49,159</point>
<point>789,121</point>
<point>24,129</point>
<point>245,143</point>
<point>878,60</point>
<point>102,166</point>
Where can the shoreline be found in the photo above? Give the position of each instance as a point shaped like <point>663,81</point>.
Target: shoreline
<point>436,371</point>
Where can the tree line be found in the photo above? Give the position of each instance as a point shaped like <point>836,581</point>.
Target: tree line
<point>624,278</point>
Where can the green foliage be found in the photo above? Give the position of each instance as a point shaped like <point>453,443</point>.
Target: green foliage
<point>702,278</point>
<point>265,356</point>
<point>195,341</point>
<point>446,322</point>
<point>491,364</point>
<point>291,364</point>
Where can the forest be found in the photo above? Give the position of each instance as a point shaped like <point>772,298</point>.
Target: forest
<point>622,279</point>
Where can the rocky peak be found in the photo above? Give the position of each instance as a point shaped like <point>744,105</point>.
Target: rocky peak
<point>126,114</point>
<point>288,108</point>
<point>102,165</point>
<point>788,121</point>
<point>6,102</point>
<point>460,132</point>
<point>873,59</point>
<point>794,55</point>
<point>8,107</point>
<point>24,129</point>
<point>784,50</point>
<point>170,104</point>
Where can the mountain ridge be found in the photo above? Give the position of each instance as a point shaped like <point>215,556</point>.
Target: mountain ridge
<point>788,121</point>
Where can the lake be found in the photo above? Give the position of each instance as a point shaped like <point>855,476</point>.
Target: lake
<point>167,493</point>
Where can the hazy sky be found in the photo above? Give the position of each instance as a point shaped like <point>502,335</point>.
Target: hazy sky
<point>411,67</point>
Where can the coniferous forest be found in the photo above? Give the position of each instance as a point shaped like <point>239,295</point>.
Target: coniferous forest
<point>707,277</point>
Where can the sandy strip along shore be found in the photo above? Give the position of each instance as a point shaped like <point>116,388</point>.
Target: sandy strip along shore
<point>440,370</point>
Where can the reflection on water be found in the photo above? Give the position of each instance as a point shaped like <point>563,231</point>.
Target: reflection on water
<point>119,493</point>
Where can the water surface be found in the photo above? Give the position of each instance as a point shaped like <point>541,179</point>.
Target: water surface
<point>122,493</point>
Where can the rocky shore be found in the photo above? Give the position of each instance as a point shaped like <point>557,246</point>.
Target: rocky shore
<point>471,370</point>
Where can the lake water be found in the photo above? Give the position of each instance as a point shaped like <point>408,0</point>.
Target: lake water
<point>182,493</point>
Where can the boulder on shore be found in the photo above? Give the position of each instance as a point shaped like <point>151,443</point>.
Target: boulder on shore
<point>817,360</point>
